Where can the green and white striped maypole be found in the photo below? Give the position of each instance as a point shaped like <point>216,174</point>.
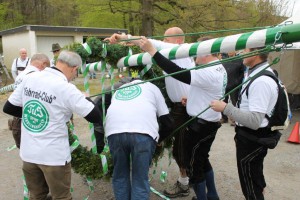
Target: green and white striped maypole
<point>8,88</point>
<point>276,35</point>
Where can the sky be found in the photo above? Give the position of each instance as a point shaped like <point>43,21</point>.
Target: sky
<point>296,7</point>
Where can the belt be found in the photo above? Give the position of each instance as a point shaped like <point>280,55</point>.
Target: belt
<point>21,68</point>
<point>203,121</point>
<point>261,132</point>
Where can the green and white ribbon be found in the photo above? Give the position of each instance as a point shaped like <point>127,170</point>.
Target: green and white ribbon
<point>75,144</point>
<point>159,194</point>
<point>25,193</point>
<point>8,88</point>
<point>11,148</point>
<point>145,70</point>
<point>163,176</point>
<point>103,68</point>
<point>90,184</point>
<point>87,90</point>
<point>112,79</point>
<point>91,187</point>
<point>170,155</point>
<point>93,67</point>
<point>104,163</point>
<point>104,50</point>
<point>290,34</point>
<point>87,48</point>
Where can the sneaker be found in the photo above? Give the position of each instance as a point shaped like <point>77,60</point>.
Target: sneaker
<point>177,190</point>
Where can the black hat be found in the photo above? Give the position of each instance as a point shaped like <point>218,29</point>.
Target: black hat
<point>55,47</point>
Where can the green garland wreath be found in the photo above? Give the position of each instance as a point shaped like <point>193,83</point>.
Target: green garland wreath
<point>84,161</point>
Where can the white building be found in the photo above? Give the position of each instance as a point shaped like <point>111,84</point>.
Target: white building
<point>39,38</point>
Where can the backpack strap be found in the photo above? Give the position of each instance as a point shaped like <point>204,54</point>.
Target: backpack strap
<point>27,62</point>
<point>30,72</point>
<point>263,73</point>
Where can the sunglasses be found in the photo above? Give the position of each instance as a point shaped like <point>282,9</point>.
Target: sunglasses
<point>55,51</point>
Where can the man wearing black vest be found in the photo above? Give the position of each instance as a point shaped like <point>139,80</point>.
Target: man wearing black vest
<point>19,64</point>
<point>251,121</point>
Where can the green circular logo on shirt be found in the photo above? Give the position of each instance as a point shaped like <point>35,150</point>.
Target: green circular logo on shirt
<point>35,116</point>
<point>128,93</point>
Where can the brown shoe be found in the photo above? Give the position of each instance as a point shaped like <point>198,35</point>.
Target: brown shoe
<point>177,190</point>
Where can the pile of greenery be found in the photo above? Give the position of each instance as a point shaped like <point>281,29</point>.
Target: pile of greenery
<point>84,161</point>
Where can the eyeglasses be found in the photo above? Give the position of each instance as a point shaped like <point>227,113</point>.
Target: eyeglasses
<point>55,51</point>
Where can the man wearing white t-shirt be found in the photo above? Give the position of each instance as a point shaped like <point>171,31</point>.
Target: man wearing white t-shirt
<point>19,64</point>
<point>251,119</point>
<point>38,62</point>
<point>46,101</point>
<point>206,84</point>
<point>132,131</point>
<point>177,91</point>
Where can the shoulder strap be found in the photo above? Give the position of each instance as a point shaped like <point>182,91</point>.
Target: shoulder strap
<point>30,72</point>
<point>27,62</point>
<point>262,73</point>
<point>271,75</point>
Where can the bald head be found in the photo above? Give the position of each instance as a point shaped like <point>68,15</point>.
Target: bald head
<point>23,53</point>
<point>40,61</point>
<point>175,39</point>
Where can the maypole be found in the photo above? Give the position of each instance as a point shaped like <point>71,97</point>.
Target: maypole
<point>270,36</point>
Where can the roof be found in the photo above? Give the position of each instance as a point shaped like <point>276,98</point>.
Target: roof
<point>61,29</point>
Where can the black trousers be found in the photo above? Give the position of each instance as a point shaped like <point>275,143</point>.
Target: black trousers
<point>180,116</point>
<point>250,157</point>
<point>200,136</point>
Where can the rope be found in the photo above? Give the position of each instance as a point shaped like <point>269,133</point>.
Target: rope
<point>250,54</point>
<point>246,55</point>
<point>275,61</point>
<point>199,33</point>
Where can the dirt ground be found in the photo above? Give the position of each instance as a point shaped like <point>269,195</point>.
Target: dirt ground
<point>282,167</point>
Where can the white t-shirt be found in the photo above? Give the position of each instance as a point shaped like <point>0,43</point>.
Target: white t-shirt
<point>18,62</point>
<point>207,84</point>
<point>48,101</point>
<point>262,93</point>
<point>175,89</point>
<point>135,110</point>
<point>29,69</point>
<point>52,62</point>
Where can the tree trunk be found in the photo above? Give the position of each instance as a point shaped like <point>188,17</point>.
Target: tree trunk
<point>147,21</point>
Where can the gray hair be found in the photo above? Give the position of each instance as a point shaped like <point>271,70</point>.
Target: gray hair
<point>39,57</point>
<point>70,58</point>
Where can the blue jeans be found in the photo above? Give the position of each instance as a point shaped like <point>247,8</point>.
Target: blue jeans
<point>136,150</point>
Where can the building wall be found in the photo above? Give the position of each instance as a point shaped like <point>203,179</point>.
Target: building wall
<point>44,43</point>
<point>13,43</point>
<point>288,69</point>
<point>41,40</point>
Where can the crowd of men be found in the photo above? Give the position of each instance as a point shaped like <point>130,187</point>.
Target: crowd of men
<point>138,119</point>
